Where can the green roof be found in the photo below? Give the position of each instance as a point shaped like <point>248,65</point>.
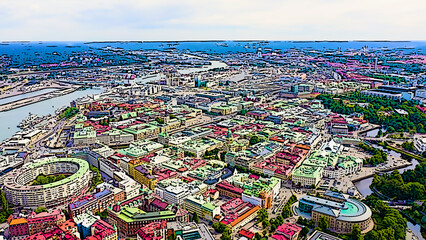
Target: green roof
<point>135,215</point>
<point>83,168</point>
<point>84,134</point>
<point>209,206</point>
<point>308,171</point>
<point>139,128</point>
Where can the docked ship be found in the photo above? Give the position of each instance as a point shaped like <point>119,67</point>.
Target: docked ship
<point>31,120</point>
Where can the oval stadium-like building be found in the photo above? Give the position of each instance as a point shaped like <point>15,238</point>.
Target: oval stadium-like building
<point>20,193</point>
<point>342,212</point>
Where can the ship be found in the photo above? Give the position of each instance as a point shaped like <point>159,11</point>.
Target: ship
<point>31,120</point>
<point>222,44</point>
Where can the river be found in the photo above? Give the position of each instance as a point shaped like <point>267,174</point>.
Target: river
<point>10,119</point>
<point>374,132</point>
<point>363,187</point>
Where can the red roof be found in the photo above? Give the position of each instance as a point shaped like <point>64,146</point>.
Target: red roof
<point>246,233</point>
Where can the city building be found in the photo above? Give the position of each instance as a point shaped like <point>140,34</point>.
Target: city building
<point>189,230</point>
<point>318,235</point>
<point>176,190</point>
<point>154,230</point>
<point>420,143</point>
<point>38,222</point>
<point>129,220</point>
<point>97,202</point>
<point>204,209</point>
<point>84,223</point>
<point>237,213</point>
<point>20,193</point>
<point>287,231</point>
<point>341,211</point>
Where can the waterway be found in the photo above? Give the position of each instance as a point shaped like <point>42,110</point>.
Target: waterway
<point>416,229</point>
<point>363,187</point>
<point>10,119</point>
<point>26,95</point>
<point>214,64</point>
<point>374,132</point>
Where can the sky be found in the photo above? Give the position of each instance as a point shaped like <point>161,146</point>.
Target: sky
<point>148,20</point>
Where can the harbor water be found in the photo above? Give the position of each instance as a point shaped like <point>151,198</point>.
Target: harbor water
<point>10,119</point>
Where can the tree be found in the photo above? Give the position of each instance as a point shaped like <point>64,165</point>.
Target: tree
<point>356,233</point>
<point>97,179</point>
<point>195,218</point>
<point>423,220</point>
<point>5,208</point>
<point>286,213</point>
<point>188,154</point>
<point>304,232</point>
<point>280,220</point>
<point>219,227</point>
<point>257,236</point>
<point>40,209</point>
<point>409,146</point>
<point>263,214</point>
<point>255,139</point>
<point>265,223</point>
<point>323,224</point>
<point>389,223</point>
<point>67,215</point>
<point>380,133</point>
<point>273,227</point>
<point>159,120</point>
<point>60,177</point>
<point>103,214</point>
<point>226,235</point>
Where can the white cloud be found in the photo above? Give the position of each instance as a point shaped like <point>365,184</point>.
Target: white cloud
<point>208,19</point>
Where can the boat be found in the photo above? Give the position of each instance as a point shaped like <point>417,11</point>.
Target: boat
<point>31,120</point>
<point>222,44</point>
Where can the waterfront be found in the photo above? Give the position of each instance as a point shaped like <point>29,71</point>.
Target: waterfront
<point>415,229</point>
<point>363,187</point>
<point>10,119</point>
<point>236,97</point>
<point>157,77</point>
<point>214,64</point>
<point>26,95</point>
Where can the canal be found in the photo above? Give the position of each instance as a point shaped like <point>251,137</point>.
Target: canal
<point>363,186</point>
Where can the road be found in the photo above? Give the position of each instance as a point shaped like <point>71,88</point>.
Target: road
<point>40,145</point>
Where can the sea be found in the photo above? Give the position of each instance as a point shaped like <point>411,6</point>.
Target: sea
<point>49,52</point>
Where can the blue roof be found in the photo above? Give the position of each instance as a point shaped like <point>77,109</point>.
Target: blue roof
<point>86,199</point>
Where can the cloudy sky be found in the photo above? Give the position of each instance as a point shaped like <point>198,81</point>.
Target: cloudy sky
<point>91,20</point>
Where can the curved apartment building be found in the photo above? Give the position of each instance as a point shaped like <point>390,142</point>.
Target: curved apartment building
<point>20,193</point>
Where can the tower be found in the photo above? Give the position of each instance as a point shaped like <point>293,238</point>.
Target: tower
<point>375,64</point>
<point>229,138</point>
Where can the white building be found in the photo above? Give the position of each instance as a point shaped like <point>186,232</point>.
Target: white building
<point>420,143</point>
<point>130,186</point>
<point>175,191</point>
